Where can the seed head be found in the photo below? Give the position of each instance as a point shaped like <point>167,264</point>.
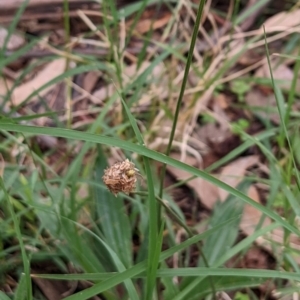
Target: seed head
<point>130,173</point>
<point>121,177</point>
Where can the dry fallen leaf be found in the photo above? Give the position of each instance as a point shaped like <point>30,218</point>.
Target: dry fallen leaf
<point>90,80</point>
<point>206,191</point>
<point>104,93</point>
<point>257,99</point>
<point>233,173</point>
<point>281,73</point>
<point>251,216</point>
<point>146,25</point>
<point>212,133</point>
<point>15,41</point>
<point>51,70</point>
<point>52,290</point>
<point>129,73</point>
<point>282,19</point>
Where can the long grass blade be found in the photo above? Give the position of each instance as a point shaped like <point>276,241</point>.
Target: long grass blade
<point>282,113</point>
<point>26,263</point>
<point>88,137</point>
<point>139,268</point>
<point>182,89</point>
<point>154,239</point>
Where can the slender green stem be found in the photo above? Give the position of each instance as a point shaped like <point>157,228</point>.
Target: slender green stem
<point>68,79</point>
<point>190,234</point>
<point>188,231</point>
<point>184,82</point>
<point>282,113</point>
<point>178,107</point>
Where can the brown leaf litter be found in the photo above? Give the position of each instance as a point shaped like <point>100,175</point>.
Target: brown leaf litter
<point>49,72</point>
<point>232,174</point>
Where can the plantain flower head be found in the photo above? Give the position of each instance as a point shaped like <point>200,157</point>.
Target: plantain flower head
<point>121,177</point>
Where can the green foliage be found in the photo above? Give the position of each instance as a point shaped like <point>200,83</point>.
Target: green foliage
<point>240,126</point>
<point>70,218</point>
<point>240,88</point>
<point>241,296</point>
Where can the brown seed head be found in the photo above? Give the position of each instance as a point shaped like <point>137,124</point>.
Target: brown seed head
<point>121,177</point>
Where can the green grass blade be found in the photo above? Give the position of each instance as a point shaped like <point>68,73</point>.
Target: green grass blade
<point>248,273</point>
<point>26,263</point>
<point>36,116</point>
<point>224,239</point>
<point>231,155</point>
<point>294,203</point>
<point>183,272</point>
<point>245,243</point>
<point>141,267</point>
<point>240,149</point>
<point>3,296</point>
<point>18,53</point>
<point>88,137</point>
<point>182,89</point>
<point>242,245</point>
<point>227,283</point>
<point>250,11</point>
<point>282,113</point>
<point>200,283</point>
<point>152,268</point>
<point>111,212</point>
<point>118,263</point>
<point>13,26</point>
<point>133,123</point>
<point>141,80</point>
<point>137,17</point>
<point>154,239</point>
<point>20,293</point>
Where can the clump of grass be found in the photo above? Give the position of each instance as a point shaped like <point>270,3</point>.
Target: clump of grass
<point>70,214</point>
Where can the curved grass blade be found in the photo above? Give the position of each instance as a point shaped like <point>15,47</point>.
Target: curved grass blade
<point>18,53</point>
<point>140,268</point>
<point>3,296</point>
<point>182,89</point>
<point>118,263</point>
<point>155,239</point>
<point>88,137</point>
<point>282,112</point>
<point>247,273</point>
<point>20,293</point>
<point>186,272</point>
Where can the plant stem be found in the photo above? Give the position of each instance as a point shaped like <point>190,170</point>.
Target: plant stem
<point>188,231</point>
<point>182,89</point>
